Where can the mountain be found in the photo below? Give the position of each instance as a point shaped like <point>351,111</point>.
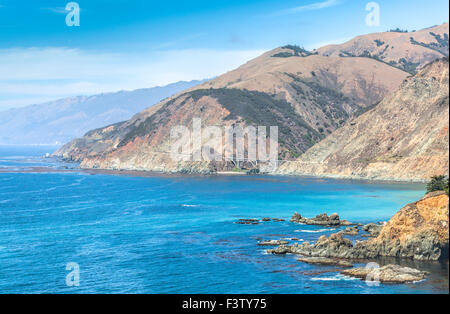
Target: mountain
<point>63,120</point>
<point>308,95</point>
<point>408,51</point>
<point>405,137</point>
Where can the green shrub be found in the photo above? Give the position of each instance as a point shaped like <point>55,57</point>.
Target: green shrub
<point>438,183</point>
<point>398,30</point>
<point>283,55</point>
<point>379,42</point>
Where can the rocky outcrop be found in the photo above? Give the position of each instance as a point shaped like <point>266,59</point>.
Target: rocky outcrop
<point>405,137</point>
<point>335,246</point>
<point>272,243</point>
<point>351,231</point>
<point>320,220</point>
<point>247,222</point>
<point>373,229</point>
<point>325,261</point>
<point>387,274</point>
<point>281,250</point>
<point>254,221</point>
<point>418,231</point>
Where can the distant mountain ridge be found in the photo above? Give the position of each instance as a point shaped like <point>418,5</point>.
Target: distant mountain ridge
<point>409,51</point>
<point>308,95</point>
<point>57,122</point>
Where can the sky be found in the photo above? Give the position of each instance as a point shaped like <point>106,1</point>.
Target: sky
<point>130,44</point>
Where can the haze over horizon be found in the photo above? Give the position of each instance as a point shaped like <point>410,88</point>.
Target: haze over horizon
<point>126,45</point>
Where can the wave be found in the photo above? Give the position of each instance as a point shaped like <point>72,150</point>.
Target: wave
<point>337,277</point>
<point>314,231</point>
<point>290,239</point>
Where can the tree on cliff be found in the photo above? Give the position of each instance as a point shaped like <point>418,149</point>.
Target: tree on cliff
<point>438,183</point>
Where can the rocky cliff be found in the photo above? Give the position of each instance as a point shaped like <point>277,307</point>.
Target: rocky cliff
<point>405,137</point>
<point>418,231</point>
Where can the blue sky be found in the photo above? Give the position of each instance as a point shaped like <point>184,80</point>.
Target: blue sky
<point>128,44</point>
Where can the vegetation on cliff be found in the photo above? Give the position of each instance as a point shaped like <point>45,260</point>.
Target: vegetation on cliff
<point>438,183</point>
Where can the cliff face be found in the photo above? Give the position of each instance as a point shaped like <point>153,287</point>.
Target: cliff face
<point>307,95</point>
<point>419,230</point>
<point>405,137</point>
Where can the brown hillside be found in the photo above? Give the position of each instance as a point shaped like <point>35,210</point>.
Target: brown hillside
<point>307,95</point>
<point>405,137</point>
<point>408,51</point>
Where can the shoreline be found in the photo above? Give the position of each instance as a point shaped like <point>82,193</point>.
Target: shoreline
<point>146,174</point>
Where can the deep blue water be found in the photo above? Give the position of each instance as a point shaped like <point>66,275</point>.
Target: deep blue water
<point>177,234</point>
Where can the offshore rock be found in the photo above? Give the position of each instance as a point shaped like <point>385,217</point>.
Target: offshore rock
<point>248,222</point>
<point>351,231</point>
<point>333,247</point>
<point>387,274</point>
<point>320,220</point>
<point>280,250</point>
<point>272,243</point>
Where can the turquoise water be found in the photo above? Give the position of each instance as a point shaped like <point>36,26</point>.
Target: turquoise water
<point>133,234</point>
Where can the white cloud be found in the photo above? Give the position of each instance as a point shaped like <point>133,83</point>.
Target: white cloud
<point>60,10</point>
<point>310,7</point>
<point>33,75</point>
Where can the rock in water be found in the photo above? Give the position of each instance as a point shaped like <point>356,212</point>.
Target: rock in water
<point>297,218</point>
<point>272,243</point>
<point>320,220</point>
<point>247,221</point>
<point>351,231</point>
<point>387,274</point>
<point>333,247</point>
<point>280,250</point>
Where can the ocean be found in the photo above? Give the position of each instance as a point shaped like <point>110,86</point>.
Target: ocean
<point>175,234</point>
